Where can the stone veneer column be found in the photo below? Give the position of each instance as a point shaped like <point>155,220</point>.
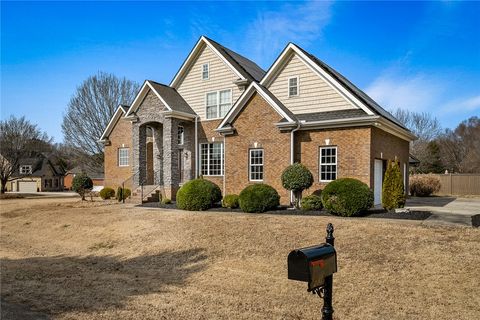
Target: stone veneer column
<point>139,154</point>
<point>158,154</point>
<point>171,176</point>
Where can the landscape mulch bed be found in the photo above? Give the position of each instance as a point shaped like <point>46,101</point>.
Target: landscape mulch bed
<point>373,213</point>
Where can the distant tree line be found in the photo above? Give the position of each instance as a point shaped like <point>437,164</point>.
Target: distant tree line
<point>438,150</point>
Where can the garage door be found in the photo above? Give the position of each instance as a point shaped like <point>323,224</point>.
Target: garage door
<point>27,186</point>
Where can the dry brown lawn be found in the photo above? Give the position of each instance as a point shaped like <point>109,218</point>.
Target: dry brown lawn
<point>63,259</point>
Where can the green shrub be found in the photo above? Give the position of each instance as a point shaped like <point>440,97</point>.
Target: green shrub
<point>198,194</point>
<point>424,185</point>
<point>126,193</point>
<point>297,178</point>
<point>81,184</point>
<point>123,194</point>
<point>258,198</point>
<point>347,197</point>
<point>166,201</point>
<point>312,202</point>
<point>118,195</point>
<point>107,193</point>
<point>393,194</point>
<point>230,201</point>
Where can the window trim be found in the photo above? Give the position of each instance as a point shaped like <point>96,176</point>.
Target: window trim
<point>29,171</point>
<point>218,103</point>
<point>181,141</point>
<point>320,162</point>
<point>250,165</point>
<point>298,86</point>
<point>222,161</point>
<point>208,71</point>
<point>128,157</point>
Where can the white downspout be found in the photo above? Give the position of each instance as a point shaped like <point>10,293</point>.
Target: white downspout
<point>292,151</point>
<point>196,147</point>
<point>224,161</point>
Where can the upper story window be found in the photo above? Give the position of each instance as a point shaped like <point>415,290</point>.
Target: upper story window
<point>123,157</point>
<point>293,86</point>
<point>26,169</point>
<point>181,135</point>
<point>205,71</point>
<point>256,165</point>
<point>212,159</point>
<point>328,163</point>
<point>218,103</point>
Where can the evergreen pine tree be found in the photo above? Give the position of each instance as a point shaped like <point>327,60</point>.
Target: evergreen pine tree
<point>393,195</point>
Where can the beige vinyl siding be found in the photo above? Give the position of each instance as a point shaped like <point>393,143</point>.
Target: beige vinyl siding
<point>193,88</point>
<point>314,93</point>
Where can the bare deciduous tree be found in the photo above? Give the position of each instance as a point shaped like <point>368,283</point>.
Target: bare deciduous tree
<point>427,128</point>
<point>18,138</point>
<point>460,148</point>
<point>90,110</point>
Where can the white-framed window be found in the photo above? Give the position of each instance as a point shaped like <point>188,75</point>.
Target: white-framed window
<point>211,159</point>
<point>180,135</point>
<point>205,71</point>
<point>122,157</point>
<point>255,165</point>
<point>328,164</point>
<point>26,169</point>
<point>218,103</point>
<point>293,86</point>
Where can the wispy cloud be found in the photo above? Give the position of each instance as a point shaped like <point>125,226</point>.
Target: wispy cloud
<point>423,93</point>
<point>272,30</point>
<point>416,93</point>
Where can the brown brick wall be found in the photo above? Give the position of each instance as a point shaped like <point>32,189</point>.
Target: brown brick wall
<point>256,124</point>
<point>121,134</point>
<point>353,153</point>
<point>388,147</point>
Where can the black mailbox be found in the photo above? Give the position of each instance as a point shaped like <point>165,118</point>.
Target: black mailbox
<point>312,264</point>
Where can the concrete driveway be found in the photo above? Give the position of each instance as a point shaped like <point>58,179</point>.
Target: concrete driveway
<point>446,210</point>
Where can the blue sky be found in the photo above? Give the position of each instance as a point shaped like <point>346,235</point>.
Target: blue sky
<point>422,56</point>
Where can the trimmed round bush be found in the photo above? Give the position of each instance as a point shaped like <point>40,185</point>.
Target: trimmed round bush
<point>107,193</point>
<point>197,195</point>
<point>347,197</point>
<point>81,184</point>
<point>126,193</point>
<point>258,198</point>
<point>424,185</point>
<point>123,194</point>
<point>297,178</point>
<point>312,202</point>
<point>230,201</point>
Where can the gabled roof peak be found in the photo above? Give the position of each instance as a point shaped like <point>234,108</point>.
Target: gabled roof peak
<point>244,68</point>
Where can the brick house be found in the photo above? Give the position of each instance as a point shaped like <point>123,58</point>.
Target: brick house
<point>36,174</point>
<point>226,119</point>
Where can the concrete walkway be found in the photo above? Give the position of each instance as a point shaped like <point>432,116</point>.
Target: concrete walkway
<point>446,210</point>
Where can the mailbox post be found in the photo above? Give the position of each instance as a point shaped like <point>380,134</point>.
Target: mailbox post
<point>316,265</point>
<point>327,309</point>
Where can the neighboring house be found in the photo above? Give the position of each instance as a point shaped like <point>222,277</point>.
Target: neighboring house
<point>36,174</point>
<point>224,118</point>
<point>96,174</point>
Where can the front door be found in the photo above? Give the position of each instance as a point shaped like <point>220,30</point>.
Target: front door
<point>150,173</point>
<point>378,182</point>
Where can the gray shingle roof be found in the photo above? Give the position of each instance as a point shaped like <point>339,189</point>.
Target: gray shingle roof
<point>249,69</point>
<point>375,107</point>
<point>330,115</point>
<point>172,97</point>
<point>275,99</point>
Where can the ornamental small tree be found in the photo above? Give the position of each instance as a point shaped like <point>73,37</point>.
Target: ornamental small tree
<point>81,184</point>
<point>297,178</point>
<point>393,194</point>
